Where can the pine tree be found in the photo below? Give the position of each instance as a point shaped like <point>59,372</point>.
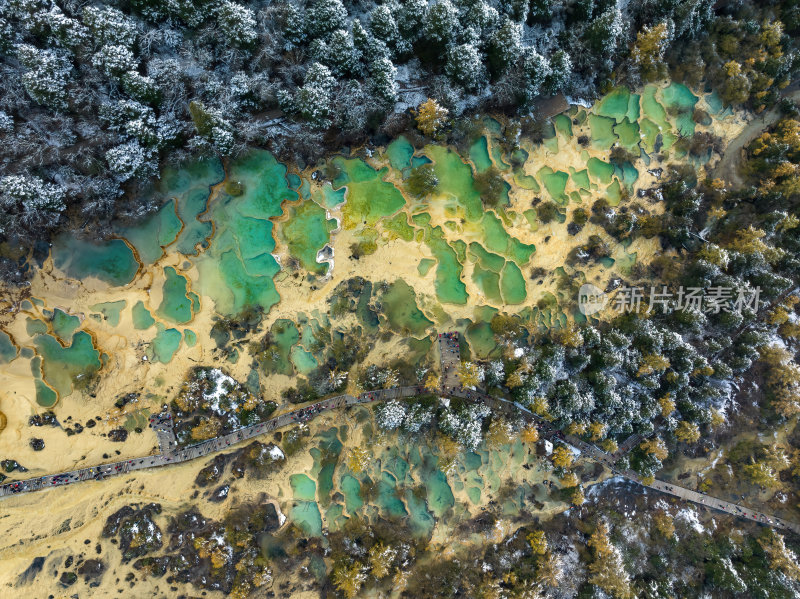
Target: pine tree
<point>109,26</point>
<point>349,578</point>
<point>432,381</point>
<point>431,117</point>
<point>380,560</point>
<point>607,570</point>
<point>505,46</point>
<point>47,75</point>
<point>131,160</point>
<point>313,101</point>
<point>382,81</point>
<point>562,457</point>
<point>465,66</point>
<point>781,558</point>
<point>29,202</point>
<point>383,26</point>
<point>688,432</point>
<point>535,70</point>
<point>237,23</point>
<point>295,29</point>
<point>604,35</point>
<point>325,16</point>
<point>441,24</point>
<point>468,374</point>
<point>342,55</point>
<point>411,17</point>
<point>648,51</point>
<point>114,60</point>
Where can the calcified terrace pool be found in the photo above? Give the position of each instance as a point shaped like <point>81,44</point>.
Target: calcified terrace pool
<point>249,237</point>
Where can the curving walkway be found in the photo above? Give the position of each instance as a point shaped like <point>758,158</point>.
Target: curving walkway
<point>171,454</point>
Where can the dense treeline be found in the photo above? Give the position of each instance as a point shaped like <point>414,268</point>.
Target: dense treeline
<point>667,373</point>
<point>96,96</point>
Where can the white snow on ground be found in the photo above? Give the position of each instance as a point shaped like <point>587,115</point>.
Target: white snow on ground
<point>276,454</point>
<point>689,516</point>
<point>281,516</point>
<point>222,384</point>
<point>579,102</point>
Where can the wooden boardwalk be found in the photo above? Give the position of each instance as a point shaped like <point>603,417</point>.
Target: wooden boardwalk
<point>172,454</point>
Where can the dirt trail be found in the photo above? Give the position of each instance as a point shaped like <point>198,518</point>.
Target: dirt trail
<point>729,165</point>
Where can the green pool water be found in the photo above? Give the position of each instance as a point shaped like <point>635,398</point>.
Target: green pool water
<point>306,232</point>
<point>390,504</point>
<point>607,262</point>
<point>488,282</point>
<point>62,365</point>
<point>714,103</point>
<point>649,131</point>
<point>110,311</point>
<point>450,289</point>
<point>602,131</point>
<point>112,261</point>
<point>555,182</point>
<point>64,325</point>
<point>481,339</point>
<point>563,125</point>
<point>654,111</point>
<point>678,97</point>
<point>526,181</point>
<point>399,304</point>
<point>486,259</point>
<point>351,489</point>
<point>397,227</point>
<point>628,133</point>
<point>399,153</point>
<point>303,487</point>
<point>8,350</point>
<point>237,270</point>
<point>284,335</point>
<point>142,319</point>
<point>497,157</point>
<point>175,303</point>
<point>455,180</point>
<point>164,345</point>
<point>34,326</point>
<point>369,197</point>
<point>580,178</point>
<point>599,170</point>
<point>519,156</point>
<point>634,108</point>
<point>479,154</point>
<point>189,337</point>
<point>498,240</point>
<point>424,266</point>
<point>512,284</point>
<point>45,396</point>
<point>190,185</point>
<point>629,174</point>
<point>303,361</point>
<point>294,180</point>
<point>306,515</point>
<point>614,104</point>
<point>440,496</point>
<point>493,125</point>
<point>614,193</point>
<point>331,197</point>
<point>154,233</point>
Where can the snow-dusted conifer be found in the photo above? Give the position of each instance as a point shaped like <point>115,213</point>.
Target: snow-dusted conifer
<point>237,23</point>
